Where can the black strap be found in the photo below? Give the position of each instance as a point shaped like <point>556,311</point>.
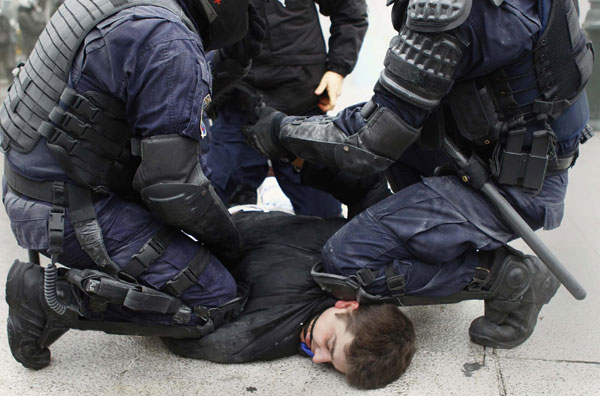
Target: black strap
<point>151,251</point>
<point>38,190</point>
<point>144,299</point>
<point>136,147</point>
<point>480,279</point>
<point>142,329</point>
<point>365,276</point>
<point>348,287</point>
<point>395,282</point>
<point>82,214</point>
<point>56,221</point>
<point>552,109</point>
<point>482,274</point>
<point>562,163</point>
<point>586,134</point>
<point>4,141</point>
<point>81,205</point>
<point>188,276</point>
<point>70,123</point>
<point>82,106</point>
<point>87,229</point>
<point>226,312</point>
<point>429,300</point>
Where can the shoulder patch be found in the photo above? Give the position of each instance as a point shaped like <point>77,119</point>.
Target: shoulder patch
<point>437,15</point>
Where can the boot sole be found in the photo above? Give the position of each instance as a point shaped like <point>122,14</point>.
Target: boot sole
<point>14,340</point>
<point>490,343</point>
<point>24,322</point>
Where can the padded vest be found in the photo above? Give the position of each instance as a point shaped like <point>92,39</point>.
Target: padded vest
<point>536,91</point>
<point>88,135</point>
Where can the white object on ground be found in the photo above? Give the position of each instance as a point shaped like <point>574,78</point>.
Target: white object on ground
<point>271,197</point>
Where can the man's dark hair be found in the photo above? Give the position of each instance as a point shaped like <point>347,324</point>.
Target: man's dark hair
<point>383,345</point>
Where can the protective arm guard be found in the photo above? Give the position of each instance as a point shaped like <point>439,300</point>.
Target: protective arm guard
<point>422,58</point>
<point>173,186</point>
<point>377,145</point>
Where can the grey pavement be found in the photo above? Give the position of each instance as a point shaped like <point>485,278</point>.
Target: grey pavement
<point>562,357</point>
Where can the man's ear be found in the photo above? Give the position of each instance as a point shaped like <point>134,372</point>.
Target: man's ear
<point>348,305</point>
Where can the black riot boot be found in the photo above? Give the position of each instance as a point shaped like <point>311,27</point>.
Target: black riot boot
<point>521,284</point>
<point>31,326</point>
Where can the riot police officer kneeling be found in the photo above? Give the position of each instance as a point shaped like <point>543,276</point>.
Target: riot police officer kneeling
<point>505,80</point>
<point>103,136</point>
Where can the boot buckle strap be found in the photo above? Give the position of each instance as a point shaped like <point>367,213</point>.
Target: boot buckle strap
<point>480,278</point>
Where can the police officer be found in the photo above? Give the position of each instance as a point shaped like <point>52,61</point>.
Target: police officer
<point>504,79</point>
<point>102,131</point>
<point>293,73</point>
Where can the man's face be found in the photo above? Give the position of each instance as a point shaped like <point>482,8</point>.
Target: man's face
<point>329,339</point>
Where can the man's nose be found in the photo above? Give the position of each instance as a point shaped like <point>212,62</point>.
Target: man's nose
<point>321,356</point>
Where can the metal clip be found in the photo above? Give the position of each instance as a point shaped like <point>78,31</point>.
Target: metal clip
<point>586,134</point>
<point>56,229</point>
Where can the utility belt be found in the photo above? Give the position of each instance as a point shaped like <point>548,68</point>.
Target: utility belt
<point>514,161</point>
<point>352,287</point>
<point>80,202</point>
<point>512,165</point>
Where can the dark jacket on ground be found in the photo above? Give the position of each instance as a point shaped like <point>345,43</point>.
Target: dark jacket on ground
<point>280,250</point>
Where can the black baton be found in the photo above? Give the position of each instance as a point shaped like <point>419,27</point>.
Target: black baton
<point>518,225</point>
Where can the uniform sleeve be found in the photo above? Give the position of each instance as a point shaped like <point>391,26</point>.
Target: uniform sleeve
<point>349,24</point>
<point>496,36</point>
<point>492,37</point>
<point>150,60</point>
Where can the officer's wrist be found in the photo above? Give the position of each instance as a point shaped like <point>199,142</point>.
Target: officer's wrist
<point>276,128</point>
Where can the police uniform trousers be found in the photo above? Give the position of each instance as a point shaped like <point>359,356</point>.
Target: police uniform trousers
<point>126,227</point>
<point>430,230</point>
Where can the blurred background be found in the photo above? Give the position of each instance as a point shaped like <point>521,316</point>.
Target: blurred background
<point>21,22</point>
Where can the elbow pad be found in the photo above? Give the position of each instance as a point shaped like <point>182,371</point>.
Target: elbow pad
<point>422,58</point>
<point>377,145</point>
<point>174,188</point>
<point>196,209</point>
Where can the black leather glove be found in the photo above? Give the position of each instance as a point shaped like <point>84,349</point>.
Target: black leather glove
<point>263,135</point>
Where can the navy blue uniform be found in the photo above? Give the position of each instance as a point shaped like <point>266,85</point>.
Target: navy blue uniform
<point>286,73</point>
<point>235,163</point>
<point>430,230</point>
<point>146,57</point>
